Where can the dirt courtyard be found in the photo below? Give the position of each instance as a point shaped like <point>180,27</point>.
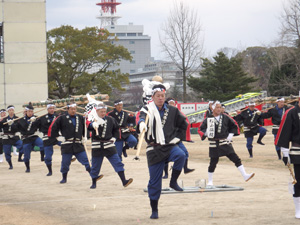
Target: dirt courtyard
<point>34,198</point>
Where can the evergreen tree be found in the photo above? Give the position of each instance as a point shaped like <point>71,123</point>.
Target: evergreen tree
<point>222,79</point>
<point>78,61</point>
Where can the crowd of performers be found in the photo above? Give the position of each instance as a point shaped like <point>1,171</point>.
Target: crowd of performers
<point>165,128</point>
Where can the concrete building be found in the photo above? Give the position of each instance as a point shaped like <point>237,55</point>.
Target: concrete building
<point>23,66</point>
<point>132,37</point>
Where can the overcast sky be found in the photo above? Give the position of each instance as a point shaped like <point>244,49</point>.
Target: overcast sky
<point>226,23</point>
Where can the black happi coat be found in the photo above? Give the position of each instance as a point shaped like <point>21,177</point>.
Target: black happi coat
<point>250,122</point>
<point>175,126</point>
<point>9,131</point>
<point>27,129</point>
<point>122,122</point>
<point>276,118</point>
<point>70,132</point>
<point>106,132</point>
<point>228,125</point>
<point>289,131</point>
<point>44,123</point>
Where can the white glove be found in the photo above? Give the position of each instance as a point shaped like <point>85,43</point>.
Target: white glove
<point>285,151</point>
<point>258,112</point>
<point>32,119</point>
<point>175,140</point>
<point>229,138</point>
<point>84,140</point>
<point>142,127</point>
<point>95,125</point>
<point>61,139</point>
<point>113,140</point>
<point>10,122</point>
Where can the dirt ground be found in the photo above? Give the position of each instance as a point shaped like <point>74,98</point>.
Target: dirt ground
<point>33,198</point>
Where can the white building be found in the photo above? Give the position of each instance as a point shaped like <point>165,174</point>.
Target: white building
<point>132,37</point>
<point>23,66</point>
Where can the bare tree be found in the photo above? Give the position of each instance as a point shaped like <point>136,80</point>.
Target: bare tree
<point>290,23</point>
<point>181,39</point>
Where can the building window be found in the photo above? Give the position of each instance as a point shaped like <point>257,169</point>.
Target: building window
<point>132,52</point>
<point>132,71</point>
<point>112,27</point>
<point>131,34</point>
<point>131,42</point>
<point>121,34</point>
<point>132,61</point>
<point>140,34</point>
<point>1,43</point>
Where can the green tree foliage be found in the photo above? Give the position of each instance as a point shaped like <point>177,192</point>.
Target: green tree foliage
<point>222,79</point>
<point>78,61</point>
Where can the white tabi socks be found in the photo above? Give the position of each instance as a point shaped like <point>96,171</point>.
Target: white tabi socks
<point>297,206</point>
<point>1,158</point>
<point>210,179</point>
<point>244,174</point>
<point>15,150</point>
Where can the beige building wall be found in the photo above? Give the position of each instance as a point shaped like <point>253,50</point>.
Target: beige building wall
<point>23,72</point>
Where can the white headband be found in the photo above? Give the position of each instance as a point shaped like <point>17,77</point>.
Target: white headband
<point>26,108</point>
<point>215,104</point>
<point>101,107</point>
<point>210,102</point>
<point>171,100</point>
<point>117,103</point>
<point>251,104</point>
<point>50,105</point>
<point>10,108</point>
<point>72,105</point>
<point>280,99</point>
<point>158,89</point>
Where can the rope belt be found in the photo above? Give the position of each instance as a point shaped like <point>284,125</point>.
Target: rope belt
<point>275,127</point>
<point>216,143</point>
<point>99,144</point>
<point>7,136</point>
<point>249,128</point>
<point>295,150</point>
<point>125,130</point>
<point>72,141</point>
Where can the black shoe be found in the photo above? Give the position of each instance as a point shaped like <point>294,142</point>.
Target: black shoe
<point>186,171</point>
<point>27,167</point>
<point>42,156</point>
<point>259,142</point>
<point>73,159</point>
<point>64,179</point>
<point>20,157</point>
<point>154,207</point>
<point>250,153</point>
<point>50,170</point>
<point>173,181</point>
<point>127,182</point>
<point>154,215</point>
<point>123,179</point>
<point>124,150</point>
<point>10,165</point>
<point>94,181</point>
<point>166,176</point>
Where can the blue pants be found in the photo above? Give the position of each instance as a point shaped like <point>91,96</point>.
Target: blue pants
<point>97,163</point>
<point>29,146</point>
<point>154,186</point>
<point>48,153</point>
<point>276,147</point>
<point>7,149</point>
<point>261,131</point>
<point>183,148</point>
<point>66,161</point>
<point>131,141</point>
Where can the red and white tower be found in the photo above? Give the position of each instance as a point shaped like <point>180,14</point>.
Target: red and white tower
<point>108,12</point>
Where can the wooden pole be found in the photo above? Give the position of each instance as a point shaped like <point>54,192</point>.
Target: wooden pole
<point>141,138</point>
